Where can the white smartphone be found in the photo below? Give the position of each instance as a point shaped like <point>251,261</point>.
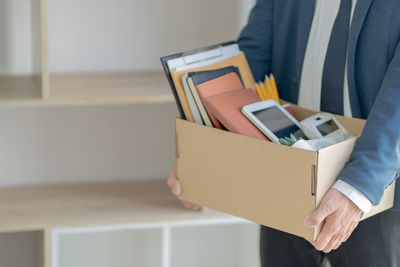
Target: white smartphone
<point>273,120</point>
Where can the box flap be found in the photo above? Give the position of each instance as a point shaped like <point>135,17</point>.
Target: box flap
<point>353,125</point>
<point>213,168</point>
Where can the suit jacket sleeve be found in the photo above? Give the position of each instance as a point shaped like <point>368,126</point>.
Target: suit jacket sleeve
<point>255,39</point>
<point>375,161</point>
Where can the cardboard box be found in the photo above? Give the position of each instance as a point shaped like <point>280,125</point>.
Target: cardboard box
<point>267,183</point>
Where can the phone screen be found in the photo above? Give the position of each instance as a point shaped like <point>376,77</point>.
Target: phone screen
<point>278,123</point>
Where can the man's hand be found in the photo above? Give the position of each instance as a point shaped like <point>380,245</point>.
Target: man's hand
<point>341,216</point>
<point>176,189</point>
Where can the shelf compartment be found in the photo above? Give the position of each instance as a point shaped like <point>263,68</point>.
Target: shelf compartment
<point>21,249</point>
<point>233,245</point>
<point>23,53</point>
<point>20,87</point>
<point>115,248</point>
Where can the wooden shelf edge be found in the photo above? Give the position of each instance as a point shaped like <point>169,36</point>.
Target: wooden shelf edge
<point>51,207</point>
<point>160,99</point>
<point>85,89</point>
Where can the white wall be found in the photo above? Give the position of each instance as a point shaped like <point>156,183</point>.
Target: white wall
<point>245,8</point>
<point>103,35</point>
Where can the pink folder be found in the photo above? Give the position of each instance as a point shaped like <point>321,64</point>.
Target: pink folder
<point>222,85</point>
<point>227,109</point>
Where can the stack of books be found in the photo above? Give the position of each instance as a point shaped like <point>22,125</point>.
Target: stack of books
<point>198,77</point>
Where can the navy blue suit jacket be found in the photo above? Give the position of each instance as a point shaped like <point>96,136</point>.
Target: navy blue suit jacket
<point>275,40</point>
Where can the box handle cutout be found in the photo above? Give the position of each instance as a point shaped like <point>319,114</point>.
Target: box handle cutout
<point>313,180</point>
<point>176,144</point>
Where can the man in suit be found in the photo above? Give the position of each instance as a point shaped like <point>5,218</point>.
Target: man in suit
<point>339,56</point>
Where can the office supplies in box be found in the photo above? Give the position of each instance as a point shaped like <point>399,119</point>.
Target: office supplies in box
<point>264,182</point>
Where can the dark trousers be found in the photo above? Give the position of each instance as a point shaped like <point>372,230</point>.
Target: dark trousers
<point>374,243</point>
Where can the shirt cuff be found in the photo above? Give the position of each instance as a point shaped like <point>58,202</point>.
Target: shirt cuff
<point>358,198</point>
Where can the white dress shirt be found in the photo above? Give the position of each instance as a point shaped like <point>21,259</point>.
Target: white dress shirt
<point>311,79</point>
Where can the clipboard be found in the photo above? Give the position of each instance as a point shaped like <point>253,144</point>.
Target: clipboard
<point>164,63</point>
<point>175,66</point>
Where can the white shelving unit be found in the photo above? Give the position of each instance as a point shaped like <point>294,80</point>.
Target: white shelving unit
<point>57,208</point>
<point>200,242</point>
<point>118,224</point>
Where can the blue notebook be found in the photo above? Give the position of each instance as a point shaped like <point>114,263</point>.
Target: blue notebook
<point>200,77</point>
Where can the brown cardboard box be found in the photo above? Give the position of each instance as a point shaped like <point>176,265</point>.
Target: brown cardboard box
<point>263,182</point>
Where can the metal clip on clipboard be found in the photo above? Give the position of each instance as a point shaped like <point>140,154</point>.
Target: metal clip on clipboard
<point>203,54</point>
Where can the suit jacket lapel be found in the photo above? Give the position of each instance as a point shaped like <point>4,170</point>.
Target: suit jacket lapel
<point>360,13</point>
<point>307,9</point>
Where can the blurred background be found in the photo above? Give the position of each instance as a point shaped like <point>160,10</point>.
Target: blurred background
<point>100,38</point>
<point>119,35</point>
<point>83,100</point>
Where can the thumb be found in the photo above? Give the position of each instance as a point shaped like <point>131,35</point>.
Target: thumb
<point>317,216</point>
